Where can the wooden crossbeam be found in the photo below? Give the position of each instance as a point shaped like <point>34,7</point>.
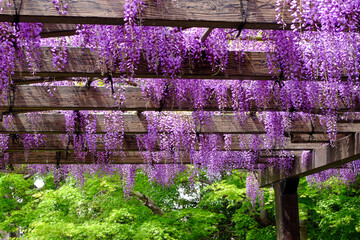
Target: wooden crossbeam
<point>54,123</point>
<point>51,157</point>
<point>57,30</point>
<point>37,98</point>
<point>84,63</point>
<point>345,150</point>
<point>21,80</point>
<point>131,157</point>
<point>58,143</point>
<point>313,138</point>
<point>260,14</point>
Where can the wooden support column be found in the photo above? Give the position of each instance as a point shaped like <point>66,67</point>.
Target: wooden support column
<point>286,209</point>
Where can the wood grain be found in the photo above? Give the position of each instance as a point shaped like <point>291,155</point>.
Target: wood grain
<point>55,142</point>
<point>54,123</point>
<point>180,13</point>
<point>131,157</point>
<point>57,30</point>
<point>37,98</point>
<point>313,138</point>
<point>84,63</point>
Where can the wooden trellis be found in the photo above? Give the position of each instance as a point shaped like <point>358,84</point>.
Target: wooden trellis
<point>221,14</point>
<point>259,14</point>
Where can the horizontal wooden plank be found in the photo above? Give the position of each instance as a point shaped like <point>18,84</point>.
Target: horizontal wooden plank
<point>51,157</point>
<point>345,150</point>
<point>313,138</point>
<point>59,143</point>
<point>54,123</point>
<point>84,63</point>
<point>131,157</point>
<point>37,98</point>
<point>261,14</point>
<point>57,30</point>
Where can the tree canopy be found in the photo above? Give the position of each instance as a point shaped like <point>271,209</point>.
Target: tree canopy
<point>221,210</point>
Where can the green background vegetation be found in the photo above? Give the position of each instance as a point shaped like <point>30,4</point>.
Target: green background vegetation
<point>99,210</point>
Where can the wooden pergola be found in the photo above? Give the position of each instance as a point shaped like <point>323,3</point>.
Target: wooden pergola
<point>253,14</point>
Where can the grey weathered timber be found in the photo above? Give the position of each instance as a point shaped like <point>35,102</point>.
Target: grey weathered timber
<point>57,30</point>
<point>129,157</point>
<point>54,123</point>
<point>85,63</point>
<point>37,98</point>
<point>286,209</point>
<point>313,138</point>
<point>56,142</point>
<point>260,14</point>
<point>345,150</point>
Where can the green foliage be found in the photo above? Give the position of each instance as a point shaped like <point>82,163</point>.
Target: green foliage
<point>332,212</point>
<point>98,210</point>
<point>240,219</point>
<point>15,192</point>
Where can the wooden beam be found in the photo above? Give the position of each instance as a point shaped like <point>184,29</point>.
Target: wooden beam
<point>51,157</point>
<point>345,150</point>
<point>131,157</point>
<point>57,30</point>
<point>313,138</point>
<point>84,63</point>
<point>37,98</point>
<point>54,123</point>
<point>261,14</point>
<point>287,210</point>
<point>21,80</point>
<point>56,142</point>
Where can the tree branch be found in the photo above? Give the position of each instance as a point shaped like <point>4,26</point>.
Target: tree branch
<point>148,202</point>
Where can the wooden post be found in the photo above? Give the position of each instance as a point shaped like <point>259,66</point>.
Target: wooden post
<point>286,209</point>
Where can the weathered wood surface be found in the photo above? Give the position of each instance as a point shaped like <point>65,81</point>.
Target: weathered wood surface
<point>26,80</point>
<point>287,209</point>
<point>345,150</point>
<point>313,138</point>
<point>57,142</point>
<point>261,14</point>
<point>54,123</point>
<point>37,98</point>
<point>51,157</point>
<point>84,63</point>
<point>131,157</point>
<point>57,30</point>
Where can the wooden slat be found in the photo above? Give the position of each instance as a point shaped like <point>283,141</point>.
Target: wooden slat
<point>345,150</point>
<point>57,30</point>
<point>84,63</point>
<point>313,138</point>
<point>37,98</point>
<point>58,143</point>
<point>181,13</point>
<point>133,124</point>
<point>63,158</point>
<point>21,80</point>
<point>131,157</point>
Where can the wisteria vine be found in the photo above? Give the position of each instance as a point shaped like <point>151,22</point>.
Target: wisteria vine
<point>314,79</point>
